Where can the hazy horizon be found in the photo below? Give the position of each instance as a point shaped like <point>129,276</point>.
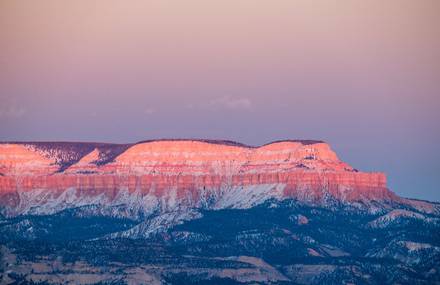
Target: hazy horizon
<point>363,76</point>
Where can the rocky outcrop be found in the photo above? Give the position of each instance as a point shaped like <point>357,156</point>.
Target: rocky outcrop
<point>182,172</point>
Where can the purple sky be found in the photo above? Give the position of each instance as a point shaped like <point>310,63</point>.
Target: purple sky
<point>362,75</point>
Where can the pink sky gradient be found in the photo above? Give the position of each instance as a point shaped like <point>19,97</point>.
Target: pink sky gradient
<point>362,75</point>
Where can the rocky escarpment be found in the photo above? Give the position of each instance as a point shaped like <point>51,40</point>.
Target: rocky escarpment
<point>169,174</point>
<point>206,212</point>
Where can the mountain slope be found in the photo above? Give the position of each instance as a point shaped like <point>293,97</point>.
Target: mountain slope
<point>177,172</point>
<point>203,211</point>
<point>277,242</point>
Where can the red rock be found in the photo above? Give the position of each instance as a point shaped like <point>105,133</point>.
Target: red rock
<point>309,171</point>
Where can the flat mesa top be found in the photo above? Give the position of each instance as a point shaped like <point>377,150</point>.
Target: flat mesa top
<point>65,144</point>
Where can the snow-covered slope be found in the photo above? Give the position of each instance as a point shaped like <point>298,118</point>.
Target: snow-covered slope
<point>176,178</point>
<point>167,211</point>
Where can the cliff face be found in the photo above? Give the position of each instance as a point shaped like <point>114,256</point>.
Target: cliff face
<point>203,211</point>
<point>179,172</point>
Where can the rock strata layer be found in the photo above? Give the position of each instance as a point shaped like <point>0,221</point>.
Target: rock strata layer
<point>184,172</point>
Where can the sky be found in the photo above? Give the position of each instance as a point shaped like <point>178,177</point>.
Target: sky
<point>362,75</point>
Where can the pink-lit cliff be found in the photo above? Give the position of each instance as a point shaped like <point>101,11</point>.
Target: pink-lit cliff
<point>165,174</point>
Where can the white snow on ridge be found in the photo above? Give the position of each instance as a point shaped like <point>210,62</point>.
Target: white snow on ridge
<point>158,213</point>
<point>390,217</point>
<point>157,224</point>
<point>245,197</point>
<point>45,202</point>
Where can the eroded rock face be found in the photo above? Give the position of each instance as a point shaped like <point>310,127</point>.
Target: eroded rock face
<point>214,211</point>
<point>192,173</point>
